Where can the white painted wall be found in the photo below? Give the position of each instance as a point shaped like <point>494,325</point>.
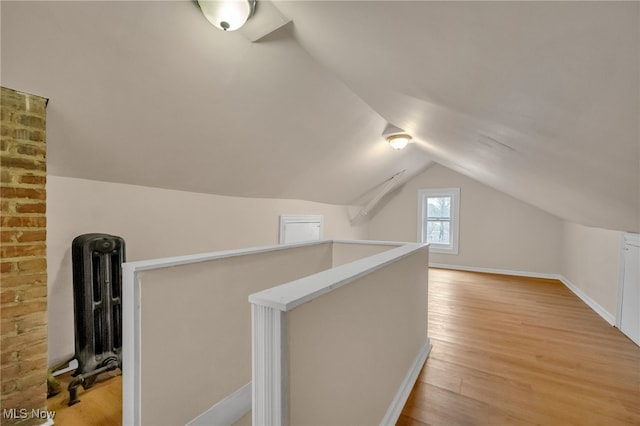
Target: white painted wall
<point>208,336</point>
<point>590,262</point>
<point>377,323</point>
<point>157,223</point>
<point>496,230</point>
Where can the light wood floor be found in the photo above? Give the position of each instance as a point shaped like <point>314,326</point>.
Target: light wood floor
<point>506,351</point>
<point>520,351</point>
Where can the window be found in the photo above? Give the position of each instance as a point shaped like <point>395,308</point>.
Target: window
<point>438,214</point>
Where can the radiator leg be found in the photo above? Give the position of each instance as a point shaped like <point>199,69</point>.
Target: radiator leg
<point>86,381</point>
<point>73,390</point>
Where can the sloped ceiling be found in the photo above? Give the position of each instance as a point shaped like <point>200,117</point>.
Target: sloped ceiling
<point>540,100</point>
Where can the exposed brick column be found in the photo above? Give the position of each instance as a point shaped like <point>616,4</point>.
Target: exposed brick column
<point>23,277</point>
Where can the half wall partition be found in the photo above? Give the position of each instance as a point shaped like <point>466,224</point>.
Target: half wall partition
<point>188,351</point>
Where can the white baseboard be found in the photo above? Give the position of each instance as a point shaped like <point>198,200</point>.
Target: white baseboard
<point>227,411</point>
<point>606,315</point>
<point>400,399</point>
<point>73,365</point>
<point>495,271</point>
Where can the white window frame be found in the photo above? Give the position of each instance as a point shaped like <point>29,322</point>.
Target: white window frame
<point>454,230</point>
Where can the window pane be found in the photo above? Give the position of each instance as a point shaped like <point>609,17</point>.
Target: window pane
<point>438,212</point>
<point>439,207</point>
<point>438,232</point>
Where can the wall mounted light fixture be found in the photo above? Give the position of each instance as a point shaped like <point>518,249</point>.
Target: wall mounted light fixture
<point>228,15</point>
<point>396,137</point>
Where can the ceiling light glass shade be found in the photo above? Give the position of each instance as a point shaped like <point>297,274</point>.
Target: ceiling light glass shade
<point>398,141</point>
<point>228,15</point>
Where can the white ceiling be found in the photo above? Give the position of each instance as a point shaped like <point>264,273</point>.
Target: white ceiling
<point>540,100</point>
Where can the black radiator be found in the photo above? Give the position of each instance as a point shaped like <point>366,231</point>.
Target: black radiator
<point>97,288</point>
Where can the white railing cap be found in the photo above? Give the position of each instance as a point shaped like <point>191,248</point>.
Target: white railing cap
<point>288,296</point>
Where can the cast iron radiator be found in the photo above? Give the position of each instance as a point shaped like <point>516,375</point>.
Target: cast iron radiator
<point>97,288</point>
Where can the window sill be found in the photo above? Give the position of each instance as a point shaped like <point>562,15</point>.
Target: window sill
<point>442,250</point>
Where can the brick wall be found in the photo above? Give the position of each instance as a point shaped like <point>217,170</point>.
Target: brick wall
<point>23,277</point>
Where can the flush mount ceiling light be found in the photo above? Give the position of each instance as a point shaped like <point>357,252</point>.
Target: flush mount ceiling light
<point>396,137</point>
<point>398,141</point>
<point>228,15</point>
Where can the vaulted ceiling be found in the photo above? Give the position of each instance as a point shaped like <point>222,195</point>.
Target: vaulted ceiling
<point>540,100</point>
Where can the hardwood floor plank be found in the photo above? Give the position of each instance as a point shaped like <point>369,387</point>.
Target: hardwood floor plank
<point>429,402</point>
<point>511,350</point>
<point>408,421</point>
